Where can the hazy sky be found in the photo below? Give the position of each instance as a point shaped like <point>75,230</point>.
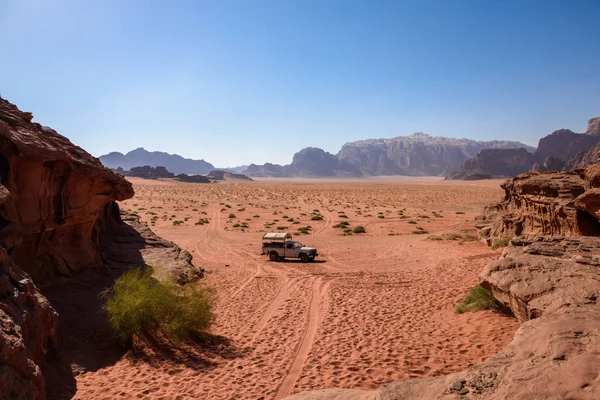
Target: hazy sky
<point>244,81</point>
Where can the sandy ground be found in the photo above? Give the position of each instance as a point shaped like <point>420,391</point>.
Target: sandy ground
<point>374,308</point>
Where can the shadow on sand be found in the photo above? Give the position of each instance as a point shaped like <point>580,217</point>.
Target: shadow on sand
<point>87,340</point>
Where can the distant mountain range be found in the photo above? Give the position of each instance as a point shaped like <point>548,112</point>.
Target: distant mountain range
<point>141,157</point>
<point>418,154</point>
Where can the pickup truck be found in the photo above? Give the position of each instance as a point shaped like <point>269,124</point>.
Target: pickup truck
<point>280,246</point>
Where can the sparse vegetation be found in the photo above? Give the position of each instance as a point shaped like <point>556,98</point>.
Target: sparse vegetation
<point>359,229</point>
<point>500,243</point>
<point>231,216</point>
<point>138,304</point>
<point>479,299</point>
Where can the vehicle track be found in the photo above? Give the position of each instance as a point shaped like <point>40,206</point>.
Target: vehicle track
<point>319,292</point>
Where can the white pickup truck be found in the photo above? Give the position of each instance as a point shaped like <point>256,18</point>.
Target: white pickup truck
<point>280,246</point>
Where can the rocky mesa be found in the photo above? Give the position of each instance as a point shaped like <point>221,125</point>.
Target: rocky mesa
<point>418,154</point>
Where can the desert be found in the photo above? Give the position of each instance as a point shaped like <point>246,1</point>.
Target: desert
<point>373,308</point>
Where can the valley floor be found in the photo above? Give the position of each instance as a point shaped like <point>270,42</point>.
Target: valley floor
<point>374,307</point>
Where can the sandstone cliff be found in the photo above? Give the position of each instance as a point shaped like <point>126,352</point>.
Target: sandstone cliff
<point>494,163</point>
<point>418,154</point>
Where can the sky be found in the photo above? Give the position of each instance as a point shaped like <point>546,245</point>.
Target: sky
<point>252,81</point>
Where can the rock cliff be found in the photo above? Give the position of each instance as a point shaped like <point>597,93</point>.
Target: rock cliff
<point>494,163</point>
<point>418,154</point>
<point>563,144</point>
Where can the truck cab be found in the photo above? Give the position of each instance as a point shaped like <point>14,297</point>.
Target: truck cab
<point>280,246</point>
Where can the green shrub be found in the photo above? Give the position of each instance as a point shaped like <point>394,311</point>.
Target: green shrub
<point>317,217</point>
<point>500,243</point>
<point>281,228</point>
<point>359,229</point>
<point>231,216</point>
<point>460,212</point>
<point>342,224</point>
<point>435,238</point>
<point>479,299</point>
<point>138,304</point>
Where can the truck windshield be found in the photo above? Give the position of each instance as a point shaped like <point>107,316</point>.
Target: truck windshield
<point>298,244</point>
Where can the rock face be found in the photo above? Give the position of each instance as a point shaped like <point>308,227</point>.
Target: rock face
<point>563,144</point>
<point>28,335</point>
<point>494,163</point>
<point>593,128</point>
<point>139,157</point>
<point>308,162</point>
<point>127,243</point>
<point>540,204</point>
<point>219,175</point>
<point>549,277</point>
<point>549,164</point>
<point>57,192</point>
<point>418,154</point>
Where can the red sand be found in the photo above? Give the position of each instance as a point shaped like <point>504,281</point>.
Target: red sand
<point>376,308</point>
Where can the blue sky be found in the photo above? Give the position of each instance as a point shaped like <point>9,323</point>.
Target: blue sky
<point>244,81</point>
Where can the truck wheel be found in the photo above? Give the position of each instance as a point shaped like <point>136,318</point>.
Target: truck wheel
<point>311,259</point>
<point>273,256</point>
<point>303,257</point>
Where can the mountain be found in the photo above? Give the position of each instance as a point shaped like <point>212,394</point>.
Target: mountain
<point>563,149</point>
<point>494,163</point>
<point>418,154</point>
<point>141,157</point>
<point>563,144</point>
<point>308,162</point>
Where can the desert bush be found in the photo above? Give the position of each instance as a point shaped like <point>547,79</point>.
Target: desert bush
<point>359,229</point>
<point>478,299</point>
<point>452,236</point>
<point>500,243</point>
<point>342,224</point>
<point>460,212</point>
<point>317,217</point>
<point>435,238</point>
<point>304,229</point>
<point>231,216</point>
<point>138,304</point>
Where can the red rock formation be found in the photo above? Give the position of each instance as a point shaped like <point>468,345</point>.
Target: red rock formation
<point>57,192</point>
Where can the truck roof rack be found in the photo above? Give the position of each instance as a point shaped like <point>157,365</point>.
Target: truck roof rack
<point>277,236</point>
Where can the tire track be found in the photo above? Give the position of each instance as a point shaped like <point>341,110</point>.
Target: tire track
<point>319,290</point>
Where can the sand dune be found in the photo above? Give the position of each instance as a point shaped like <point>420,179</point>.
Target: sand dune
<point>377,307</point>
